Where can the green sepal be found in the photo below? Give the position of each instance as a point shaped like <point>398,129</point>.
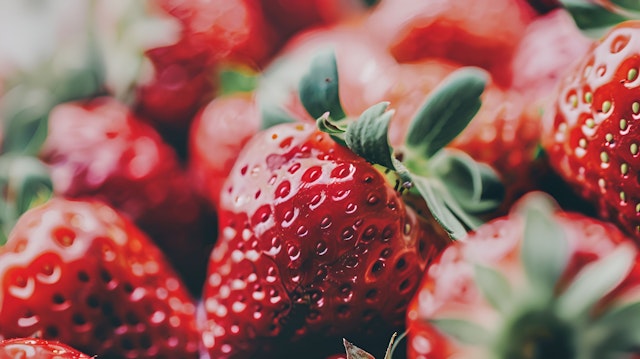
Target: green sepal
<point>434,193</point>
<point>545,250</point>
<point>627,5</point>
<point>618,329</point>
<point>335,129</point>
<point>474,186</point>
<point>30,97</point>
<point>596,280</point>
<point>272,116</point>
<point>368,136</point>
<point>319,89</point>
<point>234,79</point>
<point>593,19</point>
<point>25,112</point>
<point>463,331</point>
<point>24,183</point>
<point>446,112</point>
<point>494,286</point>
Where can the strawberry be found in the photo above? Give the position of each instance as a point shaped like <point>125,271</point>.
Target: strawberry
<point>366,71</point>
<point>32,348</point>
<point>292,16</point>
<point>217,135</point>
<point>213,32</point>
<point>538,283</point>
<point>79,272</point>
<point>117,158</point>
<point>505,132</point>
<point>590,131</point>
<point>473,33</point>
<point>314,243</point>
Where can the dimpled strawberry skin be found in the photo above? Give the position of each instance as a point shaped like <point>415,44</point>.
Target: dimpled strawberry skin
<point>77,272</point>
<point>313,244</point>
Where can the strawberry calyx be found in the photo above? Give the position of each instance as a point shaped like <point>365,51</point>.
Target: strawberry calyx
<point>455,187</point>
<point>546,318</point>
<point>594,18</point>
<point>24,184</point>
<point>236,79</point>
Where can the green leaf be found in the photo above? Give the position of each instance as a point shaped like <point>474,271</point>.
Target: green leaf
<point>319,90</point>
<point>596,280</point>
<point>494,286</point>
<point>24,183</point>
<point>463,331</point>
<point>29,98</point>
<point>25,112</point>
<point>475,187</point>
<point>433,193</point>
<point>618,329</point>
<point>368,136</point>
<point>446,112</point>
<point>273,115</point>
<point>234,80</point>
<point>592,18</point>
<point>545,250</point>
<point>629,5</point>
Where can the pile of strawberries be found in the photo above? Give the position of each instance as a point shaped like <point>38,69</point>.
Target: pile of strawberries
<point>320,179</point>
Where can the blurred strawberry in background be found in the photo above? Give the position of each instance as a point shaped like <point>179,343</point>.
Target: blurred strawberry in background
<point>117,158</point>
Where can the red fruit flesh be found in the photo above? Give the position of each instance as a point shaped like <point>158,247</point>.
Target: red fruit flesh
<point>78,272</point>
<point>33,348</point>
<point>314,245</point>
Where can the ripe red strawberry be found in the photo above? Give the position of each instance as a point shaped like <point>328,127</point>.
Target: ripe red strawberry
<point>217,135</point>
<point>366,71</point>
<point>115,157</point>
<point>213,32</point>
<point>33,348</point>
<point>591,136</point>
<point>292,16</point>
<point>549,46</point>
<point>314,243</point>
<point>311,238</point>
<point>505,133</point>
<point>538,283</point>
<point>474,33</point>
<point>80,273</point>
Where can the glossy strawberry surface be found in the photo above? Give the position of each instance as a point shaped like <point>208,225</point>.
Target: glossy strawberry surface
<point>591,133</point>
<point>80,273</point>
<point>313,244</point>
<point>32,348</point>
<point>529,318</point>
<point>117,158</point>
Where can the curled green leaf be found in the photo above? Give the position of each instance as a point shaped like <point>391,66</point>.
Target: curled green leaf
<point>446,112</point>
<point>319,89</point>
